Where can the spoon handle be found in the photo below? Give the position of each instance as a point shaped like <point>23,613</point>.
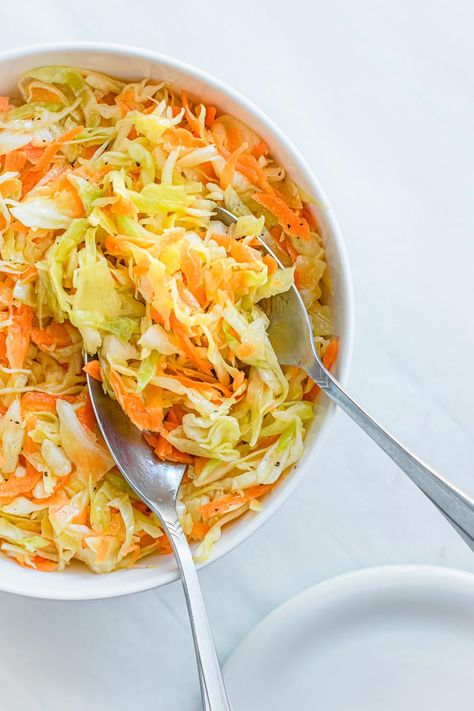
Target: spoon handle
<point>456,506</point>
<point>213,693</point>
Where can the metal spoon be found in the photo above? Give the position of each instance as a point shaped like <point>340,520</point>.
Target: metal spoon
<point>157,484</point>
<point>291,335</point>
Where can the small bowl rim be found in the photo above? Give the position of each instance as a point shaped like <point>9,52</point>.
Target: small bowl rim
<point>113,584</point>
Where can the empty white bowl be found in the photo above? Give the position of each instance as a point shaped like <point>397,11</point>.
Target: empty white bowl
<point>77,582</point>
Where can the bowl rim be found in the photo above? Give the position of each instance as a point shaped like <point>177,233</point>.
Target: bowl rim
<point>114,585</point>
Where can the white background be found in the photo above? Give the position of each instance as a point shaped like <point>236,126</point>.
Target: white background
<point>378,96</point>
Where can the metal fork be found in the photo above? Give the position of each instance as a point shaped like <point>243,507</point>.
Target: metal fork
<point>157,484</point>
<point>291,335</point>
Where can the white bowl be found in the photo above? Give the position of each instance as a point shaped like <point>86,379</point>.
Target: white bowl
<point>77,583</point>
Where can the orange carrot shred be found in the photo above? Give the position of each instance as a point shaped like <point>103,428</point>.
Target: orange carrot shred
<point>226,503</point>
<point>15,486</point>
<point>15,161</point>
<point>18,336</point>
<point>198,531</point>
<point>85,414</point>
<point>211,112</point>
<point>330,354</point>
<point>92,368</point>
<point>187,345</point>
<point>53,336</point>
<point>133,405</point>
<point>271,264</point>
<point>192,120</point>
<point>227,175</point>
<point>44,565</point>
<point>287,218</point>
<point>34,175</point>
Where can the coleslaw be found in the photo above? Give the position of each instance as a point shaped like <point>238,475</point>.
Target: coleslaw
<point>108,244</point>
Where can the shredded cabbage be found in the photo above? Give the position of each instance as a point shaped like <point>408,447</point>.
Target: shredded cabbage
<point>108,243</point>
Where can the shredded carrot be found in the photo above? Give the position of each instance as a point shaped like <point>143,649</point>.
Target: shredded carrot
<point>191,266</point>
<point>15,160</point>
<point>245,350</point>
<point>74,202</point>
<point>18,336</point>
<point>92,368</point>
<point>34,175</point>
<point>83,516</point>
<point>56,335</point>
<point>199,464</point>
<point>149,109</point>
<point>49,152</point>
<point>29,445</point>
<point>103,549</point>
<point>6,294</point>
<point>44,565</point>
<point>330,354</point>
<point>287,218</point>
<point>8,187</point>
<point>58,498</point>
<point>164,450</point>
<point>194,123</point>
<point>271,264</point>
<point>211,112</point>
<point>164,546</point>
<point>123,206</point>
<point>85,414</point>
<point>234,136</point>
<point>188,347</point>
<point>251,168</point>
<point>40,93</point>
<point>260,149</point>
<point>227,175</point>
<point>15,486</point>
<point>3,347</point>
<point>35,401</point>
<point>126,101</point>
<point>175,137</point>
<point>205,387</point>
<point>240,252</point>
<point>187,295</point>
<point>232,501</point>
<point>175,414</point>
<point>287,247</point>
<point>32,153</point>
<point>198,531</point>
<point>133,405</point>
<point>4,104</point>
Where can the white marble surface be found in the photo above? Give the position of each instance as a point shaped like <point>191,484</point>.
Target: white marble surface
<point>378,95</point>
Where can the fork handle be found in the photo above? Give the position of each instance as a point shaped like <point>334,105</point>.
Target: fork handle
<point>456,506</point>
<point>213,693</point>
